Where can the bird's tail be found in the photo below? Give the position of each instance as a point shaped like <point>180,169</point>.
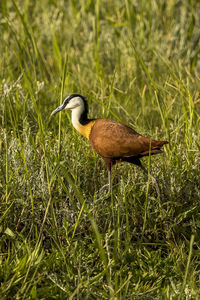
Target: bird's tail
<point>154,148</point>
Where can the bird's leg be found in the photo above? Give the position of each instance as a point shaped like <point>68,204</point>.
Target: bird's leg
<point>108,185</point>
<point>153,180</point>
<point>109,181</point>
<point>109,163</point>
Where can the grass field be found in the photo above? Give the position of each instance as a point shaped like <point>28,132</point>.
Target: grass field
<point>137,62</point>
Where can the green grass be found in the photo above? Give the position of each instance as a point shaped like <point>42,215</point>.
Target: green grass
<point>137,62</point>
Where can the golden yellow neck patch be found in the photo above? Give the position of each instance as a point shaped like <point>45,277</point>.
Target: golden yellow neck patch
<point>85,129</point>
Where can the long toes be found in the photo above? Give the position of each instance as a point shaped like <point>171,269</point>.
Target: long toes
<point>155,183</point>
<point>105,187</point>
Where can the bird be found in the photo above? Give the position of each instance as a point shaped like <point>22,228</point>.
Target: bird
<point>113,141</point>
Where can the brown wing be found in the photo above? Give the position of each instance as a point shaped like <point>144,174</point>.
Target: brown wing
<point>112,139</point>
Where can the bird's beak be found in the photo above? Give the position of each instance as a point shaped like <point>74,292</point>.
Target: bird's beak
<point>59,108</point>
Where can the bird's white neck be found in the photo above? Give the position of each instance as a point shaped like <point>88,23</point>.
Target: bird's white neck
<point>80,121</point>
<point>76,116</point>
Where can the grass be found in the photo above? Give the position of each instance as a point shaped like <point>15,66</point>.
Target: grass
<point>137,62</point>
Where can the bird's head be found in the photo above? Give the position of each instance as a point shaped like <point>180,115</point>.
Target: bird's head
<point>72,102</point>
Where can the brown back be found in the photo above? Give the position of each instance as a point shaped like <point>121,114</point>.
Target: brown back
<point>114,140</point>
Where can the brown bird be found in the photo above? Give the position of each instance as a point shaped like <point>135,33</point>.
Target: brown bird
<point>113,141</point>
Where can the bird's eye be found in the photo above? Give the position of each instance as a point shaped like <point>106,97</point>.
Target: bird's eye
<point>65,102</point>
